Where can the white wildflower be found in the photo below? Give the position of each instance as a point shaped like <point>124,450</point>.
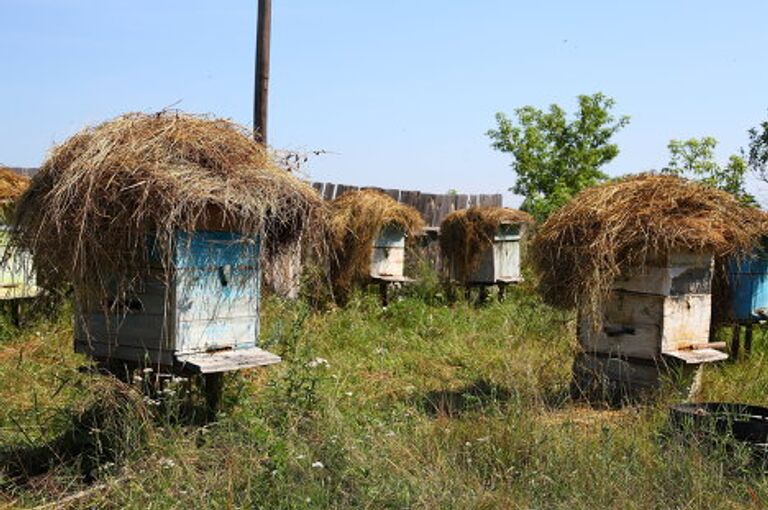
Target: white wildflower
<point>317,465</point>
<point>318,362</point>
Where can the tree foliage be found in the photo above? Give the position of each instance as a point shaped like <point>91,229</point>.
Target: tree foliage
<point>758,150</point>
<point>555,157</point>
<point>695,159</point>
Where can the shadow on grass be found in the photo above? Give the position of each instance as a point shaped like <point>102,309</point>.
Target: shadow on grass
<point>111,426</point>
<point>477,396</point>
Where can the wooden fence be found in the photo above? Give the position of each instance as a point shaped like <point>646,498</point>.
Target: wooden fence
<point>433,207</point>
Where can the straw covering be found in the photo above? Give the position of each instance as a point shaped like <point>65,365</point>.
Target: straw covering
<point>465,234</point>
<point>354,222</point>
<point>614,228</point>
<point>104,193</point>
<point>12,185</point>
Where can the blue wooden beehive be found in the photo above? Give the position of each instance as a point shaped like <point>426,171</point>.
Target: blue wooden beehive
<point>204,318</point>
<point>748,281</point>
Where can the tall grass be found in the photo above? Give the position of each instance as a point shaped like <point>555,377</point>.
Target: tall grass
<point>421,405</point>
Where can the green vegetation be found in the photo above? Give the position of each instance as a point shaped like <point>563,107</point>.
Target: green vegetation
<point>420,405</point>
<point>695,159</point>
<point>555,157</point>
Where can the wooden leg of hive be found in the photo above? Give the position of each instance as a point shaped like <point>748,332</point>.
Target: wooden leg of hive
<point>482,295</point>
<point>748,338</point>
<point>384,294</point>
<point>735,339</point>
<point>502,291</point>
<point>467,292</point>
<point>15,309</point>
<point>214,386</point>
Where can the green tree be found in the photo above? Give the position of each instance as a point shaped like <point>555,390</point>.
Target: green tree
<point>758,150</point>
<point>695,159</point>
<point>555,157</point>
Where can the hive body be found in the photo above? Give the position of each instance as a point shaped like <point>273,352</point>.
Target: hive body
<point>207,310</point>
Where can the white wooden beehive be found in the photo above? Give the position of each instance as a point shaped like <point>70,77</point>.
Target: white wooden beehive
<point>388,257</point>
<point>204,318</point>
<point>17,274</point>
<point>500,262</point>
<point>663,309</point>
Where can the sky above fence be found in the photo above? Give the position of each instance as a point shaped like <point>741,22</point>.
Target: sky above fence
<point>400,93</point>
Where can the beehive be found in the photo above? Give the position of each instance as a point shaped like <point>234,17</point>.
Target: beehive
<point>662,310</point>
<point>204,318</point>
<point>499,262</point>
<point>17,275</point>
<point>748,282</point>
<point>388,257</point>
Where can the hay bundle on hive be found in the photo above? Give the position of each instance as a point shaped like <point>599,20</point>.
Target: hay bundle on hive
<point>12,186</point>
<point>465,234</point>
<point>101,195</point>
<point>612,229</point>
<point>354,222</point>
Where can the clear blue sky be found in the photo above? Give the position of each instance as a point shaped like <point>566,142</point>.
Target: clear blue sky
<point>401,92</point>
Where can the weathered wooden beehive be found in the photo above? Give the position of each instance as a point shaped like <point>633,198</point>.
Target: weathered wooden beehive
<point>388,257</point>
<point>499,263</point>
<point>655,318</point>
<point>204,318</point>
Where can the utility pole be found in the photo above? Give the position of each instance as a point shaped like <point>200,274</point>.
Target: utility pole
<point>263,33</point>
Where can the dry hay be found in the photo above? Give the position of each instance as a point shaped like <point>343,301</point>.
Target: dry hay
<point>354,222</point>
<point>613,229</point>
<point>467,233</point>
<point>12,185</point>
<point>107,192</point>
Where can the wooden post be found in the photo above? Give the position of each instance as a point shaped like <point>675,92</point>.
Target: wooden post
<point>748,339</point>
<point>214,387</point>
<point>384,293</point>
<point>735,339</point>
<point>502,291</point>
<point>263,33</point>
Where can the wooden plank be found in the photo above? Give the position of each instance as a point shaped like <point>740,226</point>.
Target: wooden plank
<point>394,193</point>
<point>211,334</point>
<point>410,198</point>
<point>318,186</point>
<point>686,321</point>
<point>137,354</point>
<point>138,330</point>
<point>343,188</point>
<point>201,295</point>
<point>474,200</point>
<point>462,201</point>
<point>486,200</point>
<point>329,191</point>
<point>679,274</point>
<point>698,356</point>
<point>446,205</point>
<point>225,361</point>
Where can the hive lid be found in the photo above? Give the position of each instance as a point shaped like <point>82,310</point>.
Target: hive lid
<point>225,361</point>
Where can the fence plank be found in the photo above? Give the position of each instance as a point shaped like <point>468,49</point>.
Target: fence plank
<point>329,192</point>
